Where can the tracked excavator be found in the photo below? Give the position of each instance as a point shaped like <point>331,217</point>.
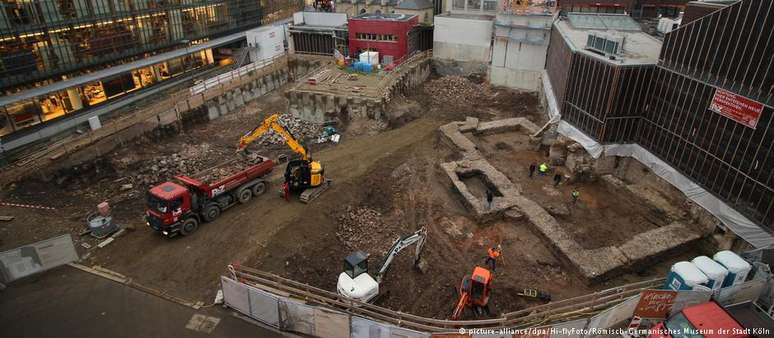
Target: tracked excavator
<point>303,175</point>
<point>356,283</point>
<point>474,293</point>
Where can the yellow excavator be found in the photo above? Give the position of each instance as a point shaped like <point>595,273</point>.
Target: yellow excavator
<point>303,175</point>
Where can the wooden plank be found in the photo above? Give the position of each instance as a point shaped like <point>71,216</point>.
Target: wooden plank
<point>7,218</point>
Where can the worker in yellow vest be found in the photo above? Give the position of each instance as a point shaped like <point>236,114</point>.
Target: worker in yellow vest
<point>543,169</point>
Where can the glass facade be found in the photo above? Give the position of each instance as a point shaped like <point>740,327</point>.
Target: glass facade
<point>44,41</point>
<point>44,38</point>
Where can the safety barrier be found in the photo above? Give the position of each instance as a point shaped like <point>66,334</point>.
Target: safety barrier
<point>292,304</point>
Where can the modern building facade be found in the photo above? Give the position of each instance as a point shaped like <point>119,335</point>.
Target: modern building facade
<point>703,106</point>
<point>636,8</point>
<point>599,66</point>
<point>44,43</point>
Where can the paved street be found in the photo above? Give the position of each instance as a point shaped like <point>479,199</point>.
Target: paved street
<point>66,302</point>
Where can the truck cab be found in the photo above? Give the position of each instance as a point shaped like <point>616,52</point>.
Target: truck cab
<point>703,320</point>
<point>167,205</point>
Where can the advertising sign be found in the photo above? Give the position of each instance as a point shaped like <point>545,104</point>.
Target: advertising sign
<point>736,107</point>
<point>655,304</point>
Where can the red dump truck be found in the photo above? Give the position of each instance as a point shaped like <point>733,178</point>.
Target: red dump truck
<point>179,207</point>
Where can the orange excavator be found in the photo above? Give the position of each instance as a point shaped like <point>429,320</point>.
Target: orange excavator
<point>474,293</point>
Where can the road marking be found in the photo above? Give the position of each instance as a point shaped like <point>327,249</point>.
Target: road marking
<point>202,323</point>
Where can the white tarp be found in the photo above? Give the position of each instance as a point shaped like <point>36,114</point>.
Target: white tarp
<point>37,257</point>
<point>739,224</point>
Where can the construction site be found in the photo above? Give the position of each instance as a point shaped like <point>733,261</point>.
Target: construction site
<point>303,175</point>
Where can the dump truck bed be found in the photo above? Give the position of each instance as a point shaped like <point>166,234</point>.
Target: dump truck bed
<point>229,175</point>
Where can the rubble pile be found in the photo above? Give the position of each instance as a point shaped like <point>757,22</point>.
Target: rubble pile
<point>301,130</point>
<point>456,90</point>
<point>363,229</point>
<point>189,161</point>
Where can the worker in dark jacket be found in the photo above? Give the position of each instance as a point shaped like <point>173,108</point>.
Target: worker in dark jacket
<point>532,168</point>
<point>489,198</point>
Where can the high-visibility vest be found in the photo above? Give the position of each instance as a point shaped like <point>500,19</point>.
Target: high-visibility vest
<point>493,253</point>
<point>543,167</point>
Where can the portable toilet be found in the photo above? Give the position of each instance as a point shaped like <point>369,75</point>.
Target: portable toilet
<point>685,276</point>
<point>713,270</point>
<point>737,267</point>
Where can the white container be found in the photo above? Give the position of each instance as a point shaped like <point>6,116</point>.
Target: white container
<point>94,123</point>
<point>713,270</point>
<point>737,267</point>
<point>685,276</point>
<point>370,58</point>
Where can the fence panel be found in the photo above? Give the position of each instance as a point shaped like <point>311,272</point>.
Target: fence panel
<point>688,298</point>
<point>36,257</point>
<point>235,295</point>
<point>264,306</point>
<point>297,317</point>
<point>365,328</point>
<point>329,323</point>
<point>741,293</point>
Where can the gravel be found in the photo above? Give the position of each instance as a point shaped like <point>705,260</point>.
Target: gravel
<point>456,90</point>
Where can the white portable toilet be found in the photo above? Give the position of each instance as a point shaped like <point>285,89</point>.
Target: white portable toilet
<point>370,58</point>
<point>713,270</point>
<point>737,267</point>
<point>685,276</point>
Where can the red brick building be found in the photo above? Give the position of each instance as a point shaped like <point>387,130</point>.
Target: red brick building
<point>387,34</point>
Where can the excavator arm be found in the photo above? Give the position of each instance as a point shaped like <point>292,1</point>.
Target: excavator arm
<point>461,304</point>
<point>272,123</point>
<point>417,237</point>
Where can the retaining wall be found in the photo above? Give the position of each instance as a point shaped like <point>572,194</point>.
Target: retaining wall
<point>322,106</point>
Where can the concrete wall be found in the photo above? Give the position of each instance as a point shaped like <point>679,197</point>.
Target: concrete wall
<point>519,51</point>
<point>462,39</point>
<point>461,45</point>
<point>321,107</point>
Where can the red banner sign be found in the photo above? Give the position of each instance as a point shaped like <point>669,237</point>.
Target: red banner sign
<point>655,304</point>
<point>736,107</point>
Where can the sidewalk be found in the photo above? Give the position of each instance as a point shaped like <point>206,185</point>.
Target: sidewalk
<point>66,302</point>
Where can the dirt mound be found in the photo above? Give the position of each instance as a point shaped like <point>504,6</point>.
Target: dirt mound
<point>455,90</point>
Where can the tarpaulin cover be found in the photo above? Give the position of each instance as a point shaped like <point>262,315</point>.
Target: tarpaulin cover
<point>736,222</point>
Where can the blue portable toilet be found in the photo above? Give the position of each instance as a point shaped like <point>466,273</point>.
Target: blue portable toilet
<point>685,276</point>
<point>737,267</point>
<point>713,270</point>
<point>367,67</point>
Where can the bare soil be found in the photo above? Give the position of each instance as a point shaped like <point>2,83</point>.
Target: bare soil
<point>394,173</point>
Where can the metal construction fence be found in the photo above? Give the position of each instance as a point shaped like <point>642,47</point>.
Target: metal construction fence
<point>296,307</point>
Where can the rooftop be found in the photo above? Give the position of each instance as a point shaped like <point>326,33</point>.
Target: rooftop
<point>638,47</point>
<point>383,17</point>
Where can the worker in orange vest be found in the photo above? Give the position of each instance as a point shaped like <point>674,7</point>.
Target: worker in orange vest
<point>492,255</point>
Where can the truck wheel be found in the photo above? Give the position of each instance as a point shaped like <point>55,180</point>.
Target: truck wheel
<point>190,225</point>
<point>259,188</point>
<point>245,195</point>
<point>211,212</point>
